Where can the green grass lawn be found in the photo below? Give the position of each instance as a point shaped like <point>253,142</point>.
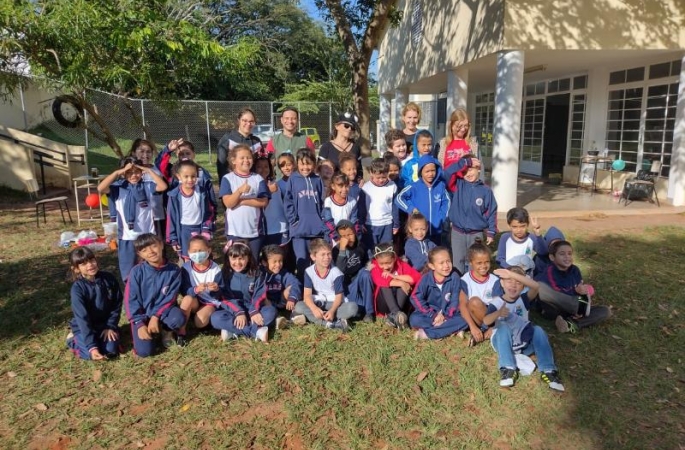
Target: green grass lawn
<point>372,388</point>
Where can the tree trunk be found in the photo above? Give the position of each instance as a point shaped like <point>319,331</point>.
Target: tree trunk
<point>360,90</point>
<point>107,135</point>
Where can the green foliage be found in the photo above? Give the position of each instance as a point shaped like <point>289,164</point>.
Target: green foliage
<point>143,49</point>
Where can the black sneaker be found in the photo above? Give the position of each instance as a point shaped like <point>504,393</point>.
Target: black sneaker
<point>553,381</point>
<point>390,320</point>
<point>369,318</point>
<point>181,341</point>
<point>507,376</point>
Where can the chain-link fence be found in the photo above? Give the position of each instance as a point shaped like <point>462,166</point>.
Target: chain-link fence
<point>201,122</point>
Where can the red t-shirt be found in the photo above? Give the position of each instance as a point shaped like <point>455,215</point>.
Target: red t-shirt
<point>455,151</point>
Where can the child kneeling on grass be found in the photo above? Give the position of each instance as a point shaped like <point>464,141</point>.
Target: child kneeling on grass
<point>436,299</point>
<point>324,302</point>
<point>150,298</point>
<point>514,333</point>
<point>96,303</point>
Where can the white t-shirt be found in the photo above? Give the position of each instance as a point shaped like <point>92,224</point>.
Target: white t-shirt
<point>144,222</point>
<point>324,286</point>
<point>379,203</point>
<point>480,289</point>
<point>243,221</point>
<point>190,208</point>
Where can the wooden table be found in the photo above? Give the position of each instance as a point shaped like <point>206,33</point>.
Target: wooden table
<point>87,182</point>
<point>594,160</point>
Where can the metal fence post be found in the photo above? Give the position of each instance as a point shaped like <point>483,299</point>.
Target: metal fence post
<point>142,112</point>
<point>209,137</point>
<point>85,123</point>
<point>23,107</point>
<point>330,118</point>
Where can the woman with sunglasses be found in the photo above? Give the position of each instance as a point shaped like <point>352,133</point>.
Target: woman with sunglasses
<point>459,141</point>
<point>343,142</point>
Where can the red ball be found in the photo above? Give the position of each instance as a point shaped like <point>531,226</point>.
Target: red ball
<point>93,200</point>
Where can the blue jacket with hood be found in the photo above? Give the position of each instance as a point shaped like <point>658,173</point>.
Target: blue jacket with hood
<point>410,171</point>
<point>431,201</point>
<point>473,207</point>
<point>303,203</point>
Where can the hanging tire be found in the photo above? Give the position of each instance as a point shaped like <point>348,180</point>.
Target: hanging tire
<point>67,111</point>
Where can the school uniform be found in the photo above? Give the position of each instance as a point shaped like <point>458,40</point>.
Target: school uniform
<point>275,223</point>
<point>431,201</point>
<point>192,276</point>
<point>509,248</point>
<point>188,215</point>
<point>486,290</point>
<point>134,216</point>
<point>357,284</point>
<point>245,222</point>
<point>303,202</point>
<point>516,334</point>
<point>152,291</point>
<point>430,298</point>
<point>416,252</point>
<point>381,213</point>
<point>270,287</point>
<point>325,287</point>
<point>473,210</point>
<point>334,212</point>
<point>236,301</point>
<point>96,306</point>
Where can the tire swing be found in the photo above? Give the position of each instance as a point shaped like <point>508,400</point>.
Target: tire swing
<point>67,111</point>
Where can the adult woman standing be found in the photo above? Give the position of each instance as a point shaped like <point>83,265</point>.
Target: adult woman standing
<point>343,141</point>
<point>242,134</point>
<point>411,117</point>
<point>459,141</point>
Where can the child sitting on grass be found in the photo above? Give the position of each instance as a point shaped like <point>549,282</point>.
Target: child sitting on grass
<point>150,299</point>
<point>394,280</point>
<point>417,246</point>
<point>350,256</point>
<point>436,299</point>
<point>96,303</point>
<point>514,333</point>
<point>201,283</point>
<point>564,296</point>
<point>239,277</point>
<point>518,243</point>
<point>324,301</point>
<point>275,285</point>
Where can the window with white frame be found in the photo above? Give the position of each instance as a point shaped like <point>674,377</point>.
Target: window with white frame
<point>531,130</point>
<point>483,123</point>
<point>577,128</point>
<point>641,117</point>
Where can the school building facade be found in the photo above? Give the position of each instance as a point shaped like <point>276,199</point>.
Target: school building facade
<point>544,82</point>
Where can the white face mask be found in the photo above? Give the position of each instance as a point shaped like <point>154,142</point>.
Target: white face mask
<point>199,257</point>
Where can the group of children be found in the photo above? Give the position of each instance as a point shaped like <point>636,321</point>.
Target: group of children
<point>324,250</point>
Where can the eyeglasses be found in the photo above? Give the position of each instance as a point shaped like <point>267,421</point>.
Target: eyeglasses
<point>347,125</point>
<point>379,251</point>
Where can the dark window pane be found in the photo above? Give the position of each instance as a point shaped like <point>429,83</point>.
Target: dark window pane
<point>540,87</point>
<point>631,136</point>
<point>633,104</point>
<point>578,117</point>
<point>615,115</point>
<point>636,74</point>
<point>657,90</point>
<point>633,114</point>
<point>655,114</point>
<point>553,86</point>
<point>675,68</point>
<point>659,70</point>
<point>580,82</point>
<point>656,102</point>
<point>616,105</point>
<point>616,95</point>
<point>673,89</point>
<point>564,84</point>
<point>613,136</point>
<point>530,89</point>
<point>631,125</point>
<point>617,77</point>
<point>654,136</point>
<point>634,93</point>
<point>651,125</point>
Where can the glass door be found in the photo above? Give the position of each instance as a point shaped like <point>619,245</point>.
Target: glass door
<point>531,136</point>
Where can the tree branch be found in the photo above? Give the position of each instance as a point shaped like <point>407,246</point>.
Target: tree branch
<point>342,24</point>
<point>375,27</point>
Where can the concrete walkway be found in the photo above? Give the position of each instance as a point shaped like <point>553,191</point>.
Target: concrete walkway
<point>545,200</point>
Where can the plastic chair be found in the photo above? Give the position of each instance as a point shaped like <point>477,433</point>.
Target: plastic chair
<point>32,188</point>
<point>643,185</point>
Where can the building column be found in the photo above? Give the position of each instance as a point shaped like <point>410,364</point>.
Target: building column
<point>457,90</point>
<point>507,128</point>
<point>385,117</point>
<point>401,100</point>
<point>676,176</point>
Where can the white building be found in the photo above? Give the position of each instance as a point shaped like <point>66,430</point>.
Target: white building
<point>546,81</point>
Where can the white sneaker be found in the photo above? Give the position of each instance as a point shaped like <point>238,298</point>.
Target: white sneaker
<point>281,323</point>
<point>262,334</point>
<point>299,320</point>
<point>227,336</point>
